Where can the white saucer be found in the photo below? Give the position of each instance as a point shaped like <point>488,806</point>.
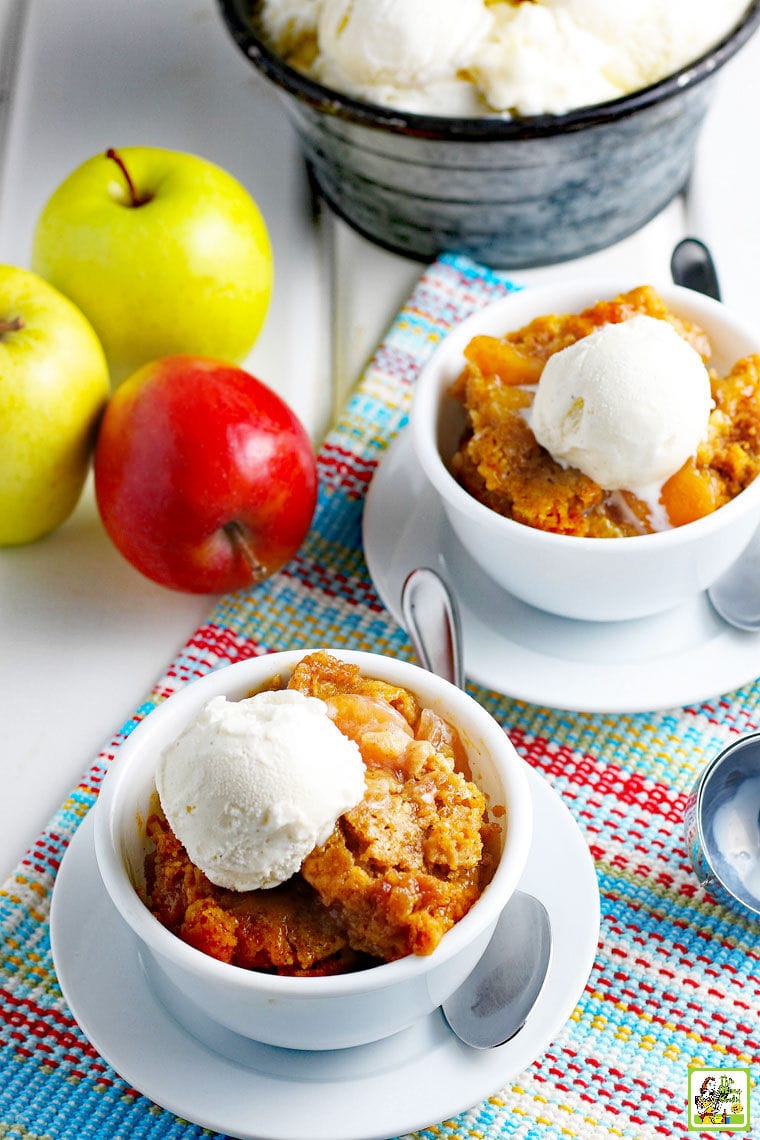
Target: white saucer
<point>682,657</point>
<point>235,1086</point>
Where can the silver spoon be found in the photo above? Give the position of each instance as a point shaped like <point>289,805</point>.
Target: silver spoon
<point>493,1003</point>
<point>431,618</point>
<point>736,594</point>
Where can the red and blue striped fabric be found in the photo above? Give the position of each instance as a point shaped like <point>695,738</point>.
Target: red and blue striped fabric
<point>676,981</point>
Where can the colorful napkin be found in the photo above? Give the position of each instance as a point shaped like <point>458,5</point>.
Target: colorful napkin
<point>676,980</point>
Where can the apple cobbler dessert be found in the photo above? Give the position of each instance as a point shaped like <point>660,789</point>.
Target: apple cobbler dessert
<point>502,463</point>
<point>398,870</point>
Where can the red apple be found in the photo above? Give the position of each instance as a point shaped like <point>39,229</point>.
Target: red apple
<point>205,479</point>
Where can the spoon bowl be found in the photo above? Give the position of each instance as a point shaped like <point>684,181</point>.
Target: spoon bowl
<point>692,265</point>
<point>736,595</point>
<point>494,1002</point>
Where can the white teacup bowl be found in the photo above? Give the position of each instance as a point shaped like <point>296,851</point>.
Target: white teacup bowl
<point>587,578</point>
<point>307,1013</point>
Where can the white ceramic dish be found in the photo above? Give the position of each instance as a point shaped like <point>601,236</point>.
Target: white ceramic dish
<point>327,1012</point>
<point>234,1086</point>
<point>680,657</point>
<point>584,578</point>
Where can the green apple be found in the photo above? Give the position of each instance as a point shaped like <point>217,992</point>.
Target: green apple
<point>164,253</point>
<point>54,385</point>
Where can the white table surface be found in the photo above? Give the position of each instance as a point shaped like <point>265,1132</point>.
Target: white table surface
<point>82,635</point>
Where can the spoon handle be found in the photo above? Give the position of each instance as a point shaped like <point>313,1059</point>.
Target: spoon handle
<point>431,618</point>
<point>691,264</point>
<point>493,1004</point>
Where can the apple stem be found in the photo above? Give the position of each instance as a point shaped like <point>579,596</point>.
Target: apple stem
<point>238,536</point>
<point>135,198</point>
<point>12,324</point>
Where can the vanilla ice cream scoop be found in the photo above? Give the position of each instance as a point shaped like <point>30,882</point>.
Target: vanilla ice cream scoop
<point>476,57</point>
<point>627,405</point>
<point>251,787</point>
<point>649,39</point>
<point>369,42</point>
<point>538,60</point>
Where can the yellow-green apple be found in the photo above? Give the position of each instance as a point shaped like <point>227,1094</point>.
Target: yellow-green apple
<point>53,386</point>
<point>205,478</point>
<point>164,252</point>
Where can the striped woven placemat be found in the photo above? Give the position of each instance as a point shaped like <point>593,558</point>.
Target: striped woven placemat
<point>676,980</point>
